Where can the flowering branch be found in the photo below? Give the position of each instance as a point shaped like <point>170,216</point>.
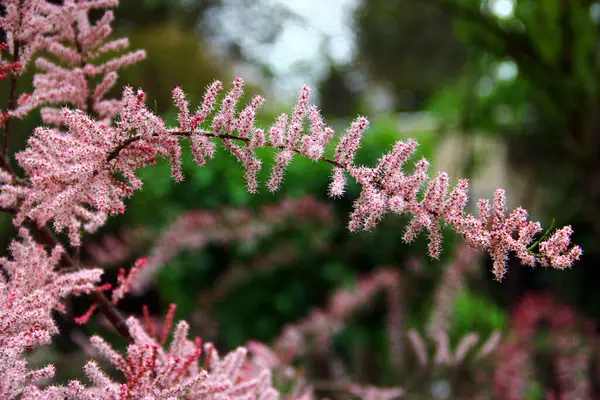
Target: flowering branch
<point>68,36</point>
<point>153,371</point>
<point>30,289</point>
<point>74,176</point>
<point>80,177</point>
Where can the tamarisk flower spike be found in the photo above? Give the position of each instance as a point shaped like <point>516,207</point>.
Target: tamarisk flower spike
<point>74,174</point>
<point>66,33</point>
<point>71,181</point>
<point>30,290</point>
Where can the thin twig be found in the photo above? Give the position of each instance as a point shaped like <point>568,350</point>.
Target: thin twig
<point>104,305</point>
<point>223,136</point>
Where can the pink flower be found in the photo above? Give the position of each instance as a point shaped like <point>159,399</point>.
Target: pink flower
<point>65,33</point>
<point>29,292</point>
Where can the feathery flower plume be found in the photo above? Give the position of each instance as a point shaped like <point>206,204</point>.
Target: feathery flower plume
<point>30,289</point>
<point>69,37</point>
<point>72,177</point>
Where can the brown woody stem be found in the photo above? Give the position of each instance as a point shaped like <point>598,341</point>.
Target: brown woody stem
<point>104,305</point>
<point>223,136</point>
<point>11,104</point>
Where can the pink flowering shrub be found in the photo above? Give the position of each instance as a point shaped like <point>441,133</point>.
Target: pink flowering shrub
<point>81,166</point>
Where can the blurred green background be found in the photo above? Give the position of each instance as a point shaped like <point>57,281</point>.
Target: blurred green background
<point>504,92</point>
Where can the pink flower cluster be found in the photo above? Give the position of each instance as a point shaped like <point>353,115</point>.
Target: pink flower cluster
<point>154,372</point>
<point>71,180</point>
<point>29,26</point>
<point>30,289</point>
<point>67,34</point>
<point>82,170</point>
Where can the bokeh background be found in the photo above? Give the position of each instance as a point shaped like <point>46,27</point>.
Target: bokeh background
<point>504,92</point>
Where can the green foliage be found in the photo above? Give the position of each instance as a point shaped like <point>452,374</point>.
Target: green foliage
<point>134,15</point>
<point>534,391</point>
<point>410,46</point>
<point>475,313</point>
<point>472,312</point>
<point>483,103</point>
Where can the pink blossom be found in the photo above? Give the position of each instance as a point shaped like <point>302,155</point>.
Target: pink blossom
<point>349,144</point>
<point>338,183</point>
<point>72,178</point>
<point>29,293</point>
<point>556,249</point>
<point>67,35</point>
